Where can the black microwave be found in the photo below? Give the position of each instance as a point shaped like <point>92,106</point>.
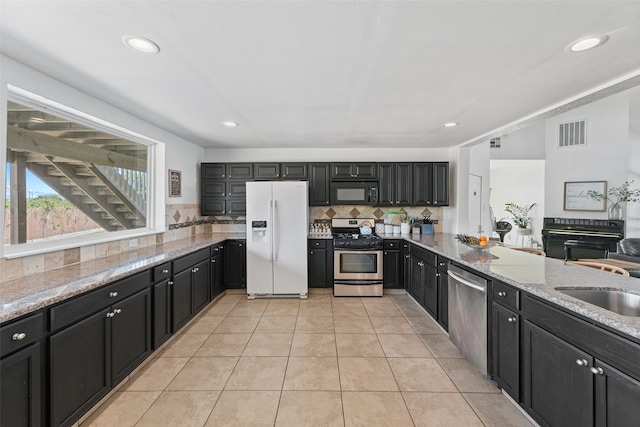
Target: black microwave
<point>354,193</point>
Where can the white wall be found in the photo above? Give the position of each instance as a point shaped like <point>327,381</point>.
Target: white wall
<point>526,143</point>
<point>327,155</point>
<point>180,154</point>
<point>633,209</point>
<point>520,182</point>
<point>605,157</point>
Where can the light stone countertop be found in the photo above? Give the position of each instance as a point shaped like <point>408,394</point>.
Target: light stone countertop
<point>540,276</point>
<point>30,293</point>
<point>531,273</point>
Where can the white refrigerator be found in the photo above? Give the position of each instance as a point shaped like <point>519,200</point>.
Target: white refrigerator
<point>277,228</point>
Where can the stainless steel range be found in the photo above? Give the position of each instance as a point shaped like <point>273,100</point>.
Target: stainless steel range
<point>357,258</point>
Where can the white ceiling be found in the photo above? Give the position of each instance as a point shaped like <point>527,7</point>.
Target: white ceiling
<point>327,73</point>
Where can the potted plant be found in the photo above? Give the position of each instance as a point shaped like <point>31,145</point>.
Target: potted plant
<point>519,215</point>
<point>621,194</point>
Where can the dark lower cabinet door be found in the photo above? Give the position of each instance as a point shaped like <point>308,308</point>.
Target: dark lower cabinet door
<point>20,393</point>
<point>558,383</point>
<point>78,360</point>
<point>416,287</point>
<point>215,270</point>
<point>317,267</point>
<point>505,340</point>
<point>130,334</point>
<point>430,290</point>
<point>161,313</point>
<point>617,397</point>
<point>391,270</point>
<point>443,299</point>
<point>200,285</point>
<point>235,264</point>
<point>181,300</point>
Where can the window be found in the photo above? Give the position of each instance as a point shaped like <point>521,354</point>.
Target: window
<point>72,179</point>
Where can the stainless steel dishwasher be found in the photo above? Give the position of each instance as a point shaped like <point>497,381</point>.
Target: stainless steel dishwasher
<point>468,315</point>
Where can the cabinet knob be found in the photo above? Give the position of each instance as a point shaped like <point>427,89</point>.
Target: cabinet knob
<point>437,274</point>
<point>229,194</point>
<point>502,294</point>
<point>110,314</point>
<point>170,283</point>
<point>597,371</point>
<point>512,320</point>
<point>222,194</point>
<point>213,261</point>
<point>240,244</point>
<point>19,336</point>
<point>406,256</point>
<point>113,294</point>
<point>223,175</point>
<point>582,362</point>
<point>117,311</point>
<point>386,253</point>
<point>442,264</point>
<point>284,175</point>
<point>165,271</point>
<point>195,270</point>
<point>311,252</point>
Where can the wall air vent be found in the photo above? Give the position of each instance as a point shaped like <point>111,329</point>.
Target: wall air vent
<point>494,142</point>
<point>572,134</point>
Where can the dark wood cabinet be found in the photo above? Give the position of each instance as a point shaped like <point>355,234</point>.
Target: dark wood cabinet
<point>161,312</point>
<point>294,171</point>
<point>243,171</point>
<point>223,188</point>
<point>442,281</point>
<point>190,286</point>
<point>181,300</point>
<point>406,265</point>
<point>215,272</point>
<point>235,264</point>
<point>416,287</point>
<point>392,264</point>
<point>431,184</point>
<point>617,397</point>
<point>320,263</point>
<point>319,184</point>
<point>21,398</point>
<point>213,171</point>
<point>395,184</point>
<point>348,171</point>
<point>200,284</point>
<point>266,171</point>
<point>505,340</point>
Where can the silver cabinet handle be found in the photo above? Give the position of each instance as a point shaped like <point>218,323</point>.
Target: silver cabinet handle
<point>597,371</point>
<point>582,362</point>
<point>165,271</point>
<point>406,256</point>
<point>512,320</point>
<point>113,294</point>
<point>502,294</point>
<point>19,336</point>
<point>421,264</point>
<point>170,283</point>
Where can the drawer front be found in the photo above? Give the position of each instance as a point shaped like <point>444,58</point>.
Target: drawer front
<point>426,256</point>
<point>189,261</point>
<point>391,244</point>
<point>506,295</point>
<point>98,299</point>
<point>317,244</point>
<point>19,334</point>
<point>162,272</point>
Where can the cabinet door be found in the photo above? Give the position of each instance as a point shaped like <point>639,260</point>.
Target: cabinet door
<point>317,261</point>
<point>440,184</point>
<point>200,285</point>
<point>443,298</point>
<point>341,171</point>
<point>364,170</point>
<point>617,397</point>
<point>267,171</point>
<point>214,273</point>
<point>237,189</point>
<point>213,206</point>
<point>391,268</point>
<point>213,188</point>
<point>20,388</point>
<point>130,334</point>
<point>416,287</point>
<point>235,261</point>
<point>404,184</point>
<point>236,207</point>
<point>406,268</point>
<point>423,184</point>
<point>386,184</point>
<point>505,341</point>
<point>430,290</point>
<point>213,171</point>
<point>181,299</point>
<point>558,383</point>
<point>294,171</point>
<point>78,360</point>
<point>161,313</point>
<point>319,190</point>
<point>240,170</point>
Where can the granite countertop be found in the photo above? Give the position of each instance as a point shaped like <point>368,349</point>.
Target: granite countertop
<point>539,276</point>
<point>30,293</point>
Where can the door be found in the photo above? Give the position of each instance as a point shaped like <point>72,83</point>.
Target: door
<point>391,268</point>
<point>317,262</point>
<point>290,229</point>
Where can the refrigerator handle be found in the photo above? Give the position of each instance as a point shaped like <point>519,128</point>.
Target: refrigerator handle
<point>270,230</point>
<point>274,235</point>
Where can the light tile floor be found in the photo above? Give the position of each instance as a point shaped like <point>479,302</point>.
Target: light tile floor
<point>323,361</point>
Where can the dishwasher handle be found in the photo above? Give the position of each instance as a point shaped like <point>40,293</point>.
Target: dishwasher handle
<point>466,282</point>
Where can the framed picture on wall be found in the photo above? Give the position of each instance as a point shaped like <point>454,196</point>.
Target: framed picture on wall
<point>175,183</point>
<point>577,199</point>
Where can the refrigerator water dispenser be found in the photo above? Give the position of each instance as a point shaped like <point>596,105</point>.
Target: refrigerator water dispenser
<point>259,231</point>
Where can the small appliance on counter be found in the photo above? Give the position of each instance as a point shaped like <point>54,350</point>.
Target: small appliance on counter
<point>357,255</point>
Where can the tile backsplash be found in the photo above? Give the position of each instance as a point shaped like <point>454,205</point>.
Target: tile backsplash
<point>182,221</point>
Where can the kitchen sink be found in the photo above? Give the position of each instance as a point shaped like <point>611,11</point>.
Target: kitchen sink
<point>618,301</point>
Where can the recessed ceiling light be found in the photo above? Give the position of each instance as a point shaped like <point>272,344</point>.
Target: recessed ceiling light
<point>230,124</point>
<point>140,44</point>
<point>450,124</point>
<point>587,43</point>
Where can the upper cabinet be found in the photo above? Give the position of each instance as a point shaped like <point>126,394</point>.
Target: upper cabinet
<point>395,184</point>
<point>319,189</point>
<point>431,184</point>
<point>223,188</point>
<point>277,171</point>
<point>347,171</point>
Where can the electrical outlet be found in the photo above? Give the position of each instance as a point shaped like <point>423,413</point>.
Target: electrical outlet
<point>133,243</point>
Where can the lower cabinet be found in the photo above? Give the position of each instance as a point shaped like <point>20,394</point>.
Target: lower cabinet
<point>92,355</point>
<point>20,388</point>
<point>392,264</point>
<point>505,340</point>
<point>215,272</point>
<point>235,264</point>
<point>320,263</point>
<point>442,280</point>
<point>161,312</point>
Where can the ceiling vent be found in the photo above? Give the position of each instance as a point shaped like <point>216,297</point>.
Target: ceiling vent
<point>572,134</point>
<point>494,142</point>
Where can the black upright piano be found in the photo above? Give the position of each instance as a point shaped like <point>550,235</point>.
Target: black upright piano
<point>606,233</point>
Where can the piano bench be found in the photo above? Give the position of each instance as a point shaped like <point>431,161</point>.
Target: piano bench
<point>568,244</point>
